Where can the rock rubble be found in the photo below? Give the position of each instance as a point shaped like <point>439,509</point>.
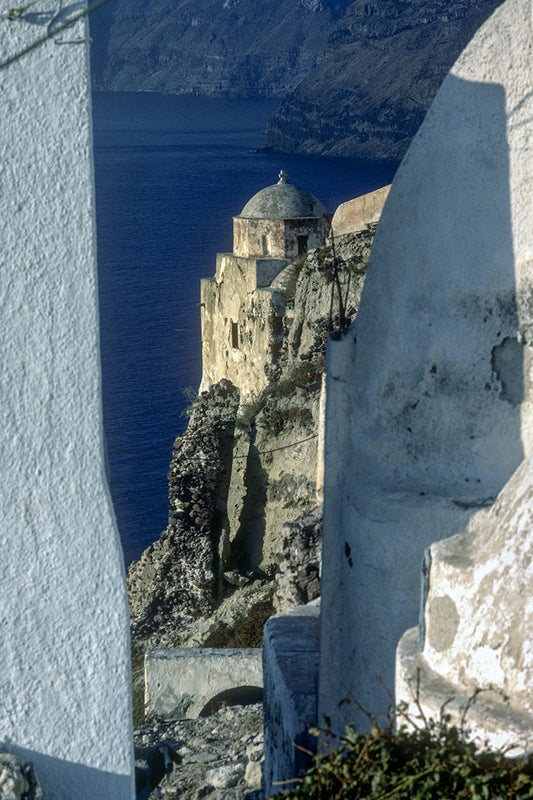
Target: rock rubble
<point>216,757</point>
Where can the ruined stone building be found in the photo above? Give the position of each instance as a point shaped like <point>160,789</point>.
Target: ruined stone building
<point>243,305</point>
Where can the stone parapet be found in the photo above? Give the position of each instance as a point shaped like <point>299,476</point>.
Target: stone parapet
<point>290,671</point>
<point>180,682</point>
<point>355,214</point>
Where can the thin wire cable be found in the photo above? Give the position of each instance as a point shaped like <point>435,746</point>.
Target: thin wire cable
<point>249,455</point>
<point>275,450</point>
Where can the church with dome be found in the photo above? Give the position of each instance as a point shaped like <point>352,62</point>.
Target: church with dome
<point>246,306</point>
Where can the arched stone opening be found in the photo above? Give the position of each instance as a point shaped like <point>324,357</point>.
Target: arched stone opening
<point>238,696</point>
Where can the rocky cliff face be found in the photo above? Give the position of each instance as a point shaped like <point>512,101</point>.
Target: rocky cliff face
<point>227,48</point>
<point>382,67</point>
<point>243,535</point>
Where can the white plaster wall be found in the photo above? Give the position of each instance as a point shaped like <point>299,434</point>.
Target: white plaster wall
<point>429,394</point>
<point>65,678</point>
<point>478,621</point>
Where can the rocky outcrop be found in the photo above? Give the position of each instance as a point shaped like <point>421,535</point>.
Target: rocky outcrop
<point>240,476</point>
<point>178,578</point>
<point>298,577</point>
<point>382,67</point>
<point>216,757</point>
<point>223,48</point>
<point>17,779</point>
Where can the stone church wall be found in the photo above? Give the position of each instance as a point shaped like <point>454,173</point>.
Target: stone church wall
<point>242,324</point>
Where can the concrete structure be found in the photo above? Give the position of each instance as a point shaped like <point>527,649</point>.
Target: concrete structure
<point>65,681</point>
<point>356,214</point>
<point>181,681</point>
<point>244,304</point>
<point>476,627</point>
<point>290,703</point>
<point>430,394</point>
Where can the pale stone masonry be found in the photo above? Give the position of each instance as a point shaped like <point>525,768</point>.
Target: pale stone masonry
<point>244,305</point>
<point>356,214</point>
<point>65,700</point>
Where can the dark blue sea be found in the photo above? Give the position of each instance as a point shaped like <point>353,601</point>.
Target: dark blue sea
<point>171,173</point>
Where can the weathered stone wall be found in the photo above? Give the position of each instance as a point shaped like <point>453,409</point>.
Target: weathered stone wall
<point>183,681</point>
<point>278,238</point>
<point>255,238</point>
<point>241,323</point>
<point>355,214</point>
<point>476,624</point>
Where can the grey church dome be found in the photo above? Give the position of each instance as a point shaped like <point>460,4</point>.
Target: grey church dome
<point>283,201</point>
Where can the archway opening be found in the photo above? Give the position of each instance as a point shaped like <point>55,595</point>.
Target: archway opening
<point>239,696</point>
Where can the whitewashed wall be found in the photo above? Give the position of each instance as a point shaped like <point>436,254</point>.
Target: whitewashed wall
<point>430,393</point>
<point>65,680</point>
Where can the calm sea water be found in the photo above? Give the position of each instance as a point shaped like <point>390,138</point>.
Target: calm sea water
<point>170,174</point>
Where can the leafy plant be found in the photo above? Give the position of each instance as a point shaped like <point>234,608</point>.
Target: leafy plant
<point>426,759</point>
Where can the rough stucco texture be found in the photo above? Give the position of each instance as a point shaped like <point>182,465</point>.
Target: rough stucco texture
<point>64,683</point>
<point>433,377</point>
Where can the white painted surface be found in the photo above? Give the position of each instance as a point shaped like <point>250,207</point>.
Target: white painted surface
<point>430,393</point>
<point>65,678</point>
<point>180,681</point>
<point>478,621</point>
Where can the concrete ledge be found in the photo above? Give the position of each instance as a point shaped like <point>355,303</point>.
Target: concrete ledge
<point>290,674</point>
<point>180,682</point>
<point>354,215</point>
<point>490,721</point>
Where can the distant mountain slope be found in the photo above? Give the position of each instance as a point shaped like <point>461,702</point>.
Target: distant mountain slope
<point>233,48</point>
<point>384,63</point>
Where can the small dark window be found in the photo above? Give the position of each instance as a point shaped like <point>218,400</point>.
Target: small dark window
<point>302,245</point>
<point>235,335</point>
<point>266,246</point>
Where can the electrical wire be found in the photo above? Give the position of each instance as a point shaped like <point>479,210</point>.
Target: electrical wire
<point>249,455</point>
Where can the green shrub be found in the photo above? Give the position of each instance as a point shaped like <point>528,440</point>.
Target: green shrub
<point>432,760</point>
